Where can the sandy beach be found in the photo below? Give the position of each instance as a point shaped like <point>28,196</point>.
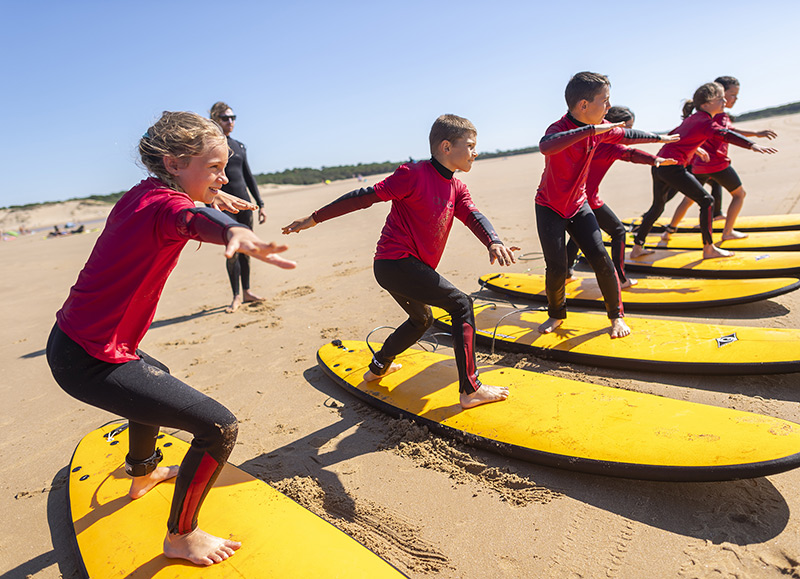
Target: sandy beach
<point>430,506</point>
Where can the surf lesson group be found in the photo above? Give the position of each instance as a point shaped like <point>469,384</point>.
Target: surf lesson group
<point>198,190</point>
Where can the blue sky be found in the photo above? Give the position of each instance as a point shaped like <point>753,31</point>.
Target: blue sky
<point>326,83</point>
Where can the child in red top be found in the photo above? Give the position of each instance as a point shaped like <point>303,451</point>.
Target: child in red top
<point>718,170</point>
<point>696,129</point>
<point>605,156</point>
<point>561,200</point>
<point>93,348</point>
<point>425,198</point>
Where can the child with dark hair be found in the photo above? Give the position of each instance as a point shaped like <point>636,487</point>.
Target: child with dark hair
<point>561,201</point>
<point>93,347</point>
<point>715,167</point>
<point>694,131</point>
<point>425,198</point>
<point>605,155</point>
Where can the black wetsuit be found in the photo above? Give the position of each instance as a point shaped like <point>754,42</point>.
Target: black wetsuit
<point>240,179</point>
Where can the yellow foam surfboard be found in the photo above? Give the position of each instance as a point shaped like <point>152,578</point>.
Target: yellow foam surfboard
<point>648,293</point>
<point>743,223</point>
<point>573,425</point>
<point>755,241</point>
<point>118,537</point>
<point>742,265</point>
<point>654,345</point>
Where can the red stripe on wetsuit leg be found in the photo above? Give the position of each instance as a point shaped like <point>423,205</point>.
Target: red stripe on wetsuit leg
<point>622,260</point>
<point>468,334</point>
<point>196,489</point>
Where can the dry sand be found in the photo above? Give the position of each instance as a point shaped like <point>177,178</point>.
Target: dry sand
<point>428,505</point>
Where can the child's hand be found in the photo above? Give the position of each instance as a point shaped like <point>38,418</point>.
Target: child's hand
<point>299,225</point>
<point>605,127</point>
<point>669,138</point>
<point>703,154</point>
<point>661,162</point>
<point>243,240</point>
<point>502,254</point>
<point>231,203</point>
<point>768,133</point>
<point>764,150</point>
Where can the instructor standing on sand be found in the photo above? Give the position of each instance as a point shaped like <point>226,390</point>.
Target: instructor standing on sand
<point>240,179</point>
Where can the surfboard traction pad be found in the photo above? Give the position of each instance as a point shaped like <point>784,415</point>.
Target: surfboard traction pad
<point>519,285</point>
<point>690,348</point>
<point>355,356</point>
<point>280,538</point>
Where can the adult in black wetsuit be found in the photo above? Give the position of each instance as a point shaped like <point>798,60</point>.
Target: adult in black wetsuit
<point>240,179</point>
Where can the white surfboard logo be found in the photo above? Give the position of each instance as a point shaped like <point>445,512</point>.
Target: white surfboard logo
<point>725,340</point>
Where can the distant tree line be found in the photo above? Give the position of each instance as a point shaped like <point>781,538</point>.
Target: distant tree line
<point>789,109</point>
<point>309,176</point>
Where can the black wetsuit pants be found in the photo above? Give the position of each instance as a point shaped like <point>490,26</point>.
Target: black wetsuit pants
<point>611,224</point>
<point>583,228</point>
<point>238,266</point>
<point>416,286</point>
<point>144,392</point>
<point>670,178</point>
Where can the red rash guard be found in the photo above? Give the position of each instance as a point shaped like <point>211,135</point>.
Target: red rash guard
<point>695,130</point>
<point>112,304</point>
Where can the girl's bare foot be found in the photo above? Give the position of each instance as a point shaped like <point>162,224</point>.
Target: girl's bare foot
<point>369,376</point>
<point>483,395</point>
<point>199,547</point>
<point>665,237</point>
<point>237,301</point>
<point>733,234</point>
<point>140,485</point>
<point>639,251</point>
<point>251,297</point>
<point>713,252</point>
<point>550,325</point>
<point>628,283</point>
<point>720,217</point>
<point>619,329</point>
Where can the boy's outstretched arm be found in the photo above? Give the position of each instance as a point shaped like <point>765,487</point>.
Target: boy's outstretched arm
<point>502,254</point>
<point>347,203</point>
<point>299,225</point>
<point>243,240</point>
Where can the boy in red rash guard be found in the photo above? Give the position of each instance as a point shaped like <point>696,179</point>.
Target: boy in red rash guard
<point>605,155</point>
<point>425,198</point>
<point>717,169</point>
<point>695,130</point>
<point>561,201</point>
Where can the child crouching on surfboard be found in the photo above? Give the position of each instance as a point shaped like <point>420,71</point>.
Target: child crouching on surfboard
<point>604,156</point>
<point>695,130</point>
<point>425,198</point>
<point>561,200</point>
<point>717,168</point>
<point>93,347</point>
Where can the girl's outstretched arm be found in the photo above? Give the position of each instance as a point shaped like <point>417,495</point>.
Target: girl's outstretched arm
<point>231,203</point>
<point>243,240</point>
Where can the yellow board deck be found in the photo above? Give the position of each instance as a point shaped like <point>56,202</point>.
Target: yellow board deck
<point>743,223</point>
<point>118,537</point>
<point>755,241</point>
<point>654,345</point>
<point>648,293</point>
<point>742,265</point>
<point>573,425</point>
